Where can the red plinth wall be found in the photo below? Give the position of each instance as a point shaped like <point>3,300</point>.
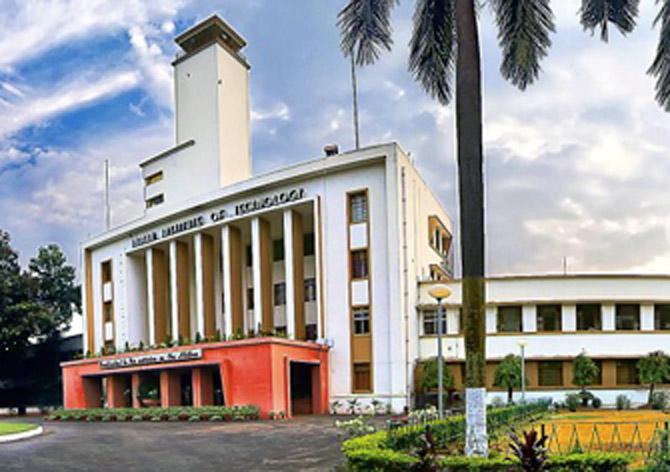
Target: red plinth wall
<point>252,371</point>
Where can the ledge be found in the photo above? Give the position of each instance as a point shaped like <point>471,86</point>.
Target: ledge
<point>4,438</point>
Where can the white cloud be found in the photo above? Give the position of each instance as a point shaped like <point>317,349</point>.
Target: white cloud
<point>280,111</point>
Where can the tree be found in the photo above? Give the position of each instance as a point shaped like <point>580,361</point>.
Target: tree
<point>444,44</point>
<point>508,375</point>
<point>429,377</point>
<point>653,369</point>
<point>584,372</point>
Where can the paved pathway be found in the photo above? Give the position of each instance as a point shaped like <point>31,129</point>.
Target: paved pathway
<point>302,444</point>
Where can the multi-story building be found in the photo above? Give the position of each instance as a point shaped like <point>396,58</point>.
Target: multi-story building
<point>309,284</point>
<point>318,261</point>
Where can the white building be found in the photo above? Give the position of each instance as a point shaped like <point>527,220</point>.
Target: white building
<point>338,251</point>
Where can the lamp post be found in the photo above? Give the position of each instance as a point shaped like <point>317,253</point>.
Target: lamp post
<point>522,344</point>
<point>439,292</point>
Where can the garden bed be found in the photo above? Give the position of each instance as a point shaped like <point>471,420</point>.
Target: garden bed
<point>173,414</point>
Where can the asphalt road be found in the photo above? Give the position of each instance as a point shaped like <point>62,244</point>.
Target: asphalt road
<point>301,444</point>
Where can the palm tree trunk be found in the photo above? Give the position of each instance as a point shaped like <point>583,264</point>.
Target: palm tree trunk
<point>471,199</point>
<point>510,395</point>
<point>651,393</point>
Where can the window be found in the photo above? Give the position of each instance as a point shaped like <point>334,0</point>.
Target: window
<point>628,317</point>
<point>310,331</point>
<point>550,374</point>
<point>250,298</point>
<point>626,372</point>
<point>108,312</point>
<point>509,319</point>
<point>661,317</point>
<point>106,271</point>
<point>358,207</point>
<point>154,201</point>
<point>461,326</point>
<point>362,377</point>
<point>359,264</point>
<point>153,178</point>
<point>599,378</point>
<point>549,317</point>
<point>280,294</point>
<point>310,290</point>
<point>308,245</point>
<point>430,323</point>
<point>278,250</point>
<point>588,317</point>
<point>361,320</point>
<point>250,256</point>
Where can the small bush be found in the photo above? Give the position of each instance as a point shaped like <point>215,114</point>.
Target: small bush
<point>589,462</point>
<point>173,418</point>
<point>193,418</point>
<point>136,418</point>
<point>155,419</point>
<point>106,418</point>
<point>216,418</point>
<point>121,418</point>
<point>659,400</point>
<point>622,402</point>
<point>572,401</point>
<point>497,402</point>
<point>596,402</point>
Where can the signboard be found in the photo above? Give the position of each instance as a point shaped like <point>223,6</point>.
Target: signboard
<point>218,215</point>
<point>161,358</point>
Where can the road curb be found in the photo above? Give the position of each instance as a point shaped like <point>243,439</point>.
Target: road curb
<point>5,438</point>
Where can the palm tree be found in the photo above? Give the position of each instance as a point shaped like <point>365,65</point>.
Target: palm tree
<point>444,44</point>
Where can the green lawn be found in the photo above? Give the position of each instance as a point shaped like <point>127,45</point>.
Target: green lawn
<point>12,428</point>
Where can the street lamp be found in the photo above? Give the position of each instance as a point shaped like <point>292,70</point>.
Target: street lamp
<point>522,344</point>
<point>439,292</point>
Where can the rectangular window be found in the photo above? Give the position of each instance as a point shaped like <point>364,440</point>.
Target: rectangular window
<point>588,317</point>
<point>154,201</point>
<point>358,207</point>
<point>509,319</point>
<point>599,378</point>
<point>310,290</point>
<point>627,317</point>
<point>549,317</point>
<point>106,270</point>
<point>362,378</point>
<point>308,245</point>
<point>361,320</point>
<point>430,323</point>
<point>250,298</point>
<point>626,372</point>
<point>108,315</point>
<point>661,317</point>
<point>153,178</point>
<point>250,256</point>
<point>359,264</point>
<point>311,333</point>
<point>280,294</point>
<point>550,374</point>
<point>278,250</point>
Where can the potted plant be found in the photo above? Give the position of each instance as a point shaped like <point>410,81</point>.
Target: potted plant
<point>148,395</point>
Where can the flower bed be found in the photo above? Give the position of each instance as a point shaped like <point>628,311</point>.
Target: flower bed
<point>180,413</point>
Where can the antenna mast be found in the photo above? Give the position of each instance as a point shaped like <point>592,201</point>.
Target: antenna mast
<point>108,210</point>
<point>355,90</point>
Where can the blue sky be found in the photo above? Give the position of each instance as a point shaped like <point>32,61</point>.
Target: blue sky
<point>576,166</point>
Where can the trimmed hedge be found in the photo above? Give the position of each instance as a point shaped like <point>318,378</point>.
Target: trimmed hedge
<point>185,413</point>
<point>588,462</point>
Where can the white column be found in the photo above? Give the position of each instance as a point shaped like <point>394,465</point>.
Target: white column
<point>491,320</point>
<point>174,294</point>
<point>227,282</point>
<point>569,318</point>
<point>256,269</point>
<point>199,290</point>
<point>320,329</point>
<point>149,258</point>
<point>289,276</point>
<point>608,317</point>
<point>529,318</point>
<point>647,317</point>
<point>452,320</point>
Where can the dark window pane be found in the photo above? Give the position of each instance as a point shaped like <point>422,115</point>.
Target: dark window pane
<point>588,317</point>
<point>550,374</point>
<point>549,317</point>
<point>362,377</point>
<point>628,317</point>
<point>626,372</point>
<point>310,290</point>
<point>359,264</point>
<point>509,319</point>
<point>308,244</point>
<point>280,294</point>
<point>361,317</point>
<point>430,323</point>
<point>278,250</point>
<point>358,207</point>
<point>250,298</point>
<point>661,317</point>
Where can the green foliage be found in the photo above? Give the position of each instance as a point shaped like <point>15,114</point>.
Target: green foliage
<point>429,378</point>
<point>584,371</point>
<point>531,450</point>
<point>596,402</point>
<point>653,369</point>
<point>148,390</point>
<point>358,426</point>
<point>572,401</point>
<point>659,459</point>
<point>227,413</point>
<point>508,374</point>
<point>479,464</point>
<point>622,402</point>
<point>589,462</point>
<point>659,400</point>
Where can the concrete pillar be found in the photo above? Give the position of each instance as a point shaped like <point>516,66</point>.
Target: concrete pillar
<point>179,290</point>
<point>233,307</point>
<point>135,381</point>
<point>261,247</point>
<point>203,386</point>
<point>294,263</point>
<point>569,318</point>
<point>318,268</point>
<point>199,285</point>
<point>529,318</point>
<point>116,385</point>
<point>608,317</point>
<point>491,322</point>
<point>151,309</point>
<point>452,320</point>
<point>170,388</point>
<point>647,317</point>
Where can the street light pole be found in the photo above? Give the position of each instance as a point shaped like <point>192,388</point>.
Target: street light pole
<point>522,344</point>
<point>439,292</point>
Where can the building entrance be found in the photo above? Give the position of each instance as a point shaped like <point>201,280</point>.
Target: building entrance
<point>301,388</point>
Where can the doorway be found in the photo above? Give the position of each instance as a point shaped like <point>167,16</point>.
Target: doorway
<point>301,388</point>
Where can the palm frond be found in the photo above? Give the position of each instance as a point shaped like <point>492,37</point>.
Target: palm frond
<point>661,65</point>
<point>523,34</point>
<point>432,47</point>
<point>598,13</point>
<point>366,29</point>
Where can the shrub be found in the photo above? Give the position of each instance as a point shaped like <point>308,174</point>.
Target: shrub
<point>497,402</point>
<point>107,418</point>
<point>596,402</point>
<point>121,417</point>
<point>589,462</point>
<point>530,450</point>
<point>215,418</point>
<point>137,418</point>
<point>173,418</point>
<point>508,375</point>
<point>478,464</point>
<point>193,418</point>
<point>659,400</point>
<point>429,378</point>
<point>355,427</point>
<point>622,402</point>
<point>572,401</point>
